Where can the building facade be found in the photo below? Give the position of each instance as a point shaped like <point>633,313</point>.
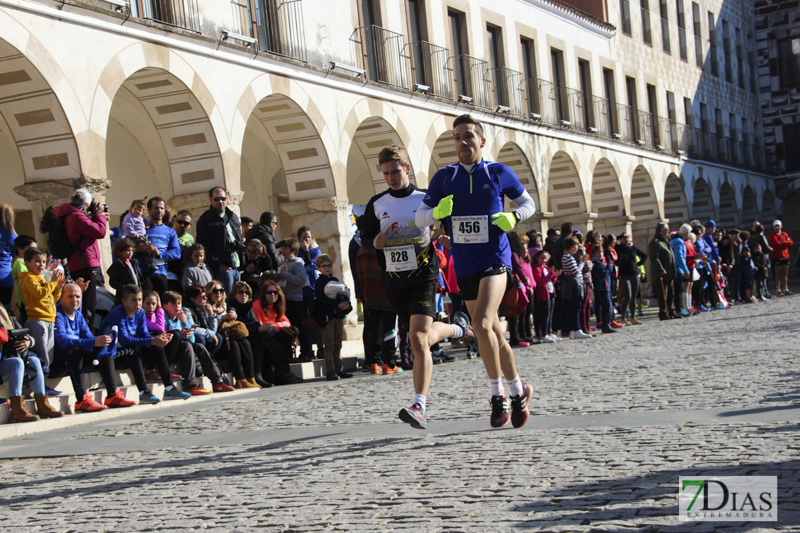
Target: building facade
<point>614,115</point>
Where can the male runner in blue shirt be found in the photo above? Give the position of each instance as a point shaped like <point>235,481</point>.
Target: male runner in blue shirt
<point>469,195</point>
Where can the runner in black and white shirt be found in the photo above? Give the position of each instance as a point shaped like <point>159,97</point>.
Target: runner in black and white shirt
<point>411,271</point>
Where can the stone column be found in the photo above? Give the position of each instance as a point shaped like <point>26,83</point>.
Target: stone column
<point>41,196</point>
<point>330,225</point>
<point>614,225</point>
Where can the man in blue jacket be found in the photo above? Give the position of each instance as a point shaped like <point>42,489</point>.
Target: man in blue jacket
<point>163,246</point>
<point>136,343</point>
<point>77,348</point>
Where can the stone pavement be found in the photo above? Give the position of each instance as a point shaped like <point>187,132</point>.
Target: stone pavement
<point>617,419</point>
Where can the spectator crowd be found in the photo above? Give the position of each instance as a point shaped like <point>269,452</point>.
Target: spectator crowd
<point>232,300</point>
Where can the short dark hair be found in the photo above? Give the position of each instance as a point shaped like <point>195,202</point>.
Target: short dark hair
<point>566,228</point>
<point>267,217</point>
<point>155,199</point>
<point>185,213</point>
<point>597,250</point>
<point>193,291</point>
<point>551,232</point>
<point>23,241</point>
<point>30,253</point>
<point>171,297</point>
<point>468,119</point>
<point>122,244</point>
<point>290,243</point>
<point>195,247</point>
<point>214,188</point>
<point>129,289</point>
<point>569,242</point>
<point>245,220</point>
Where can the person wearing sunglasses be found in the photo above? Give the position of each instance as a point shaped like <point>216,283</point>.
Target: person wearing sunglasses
<point>240,307</point>
<point>220,231</point>
<point>264,231</point>
<point>275,334</point>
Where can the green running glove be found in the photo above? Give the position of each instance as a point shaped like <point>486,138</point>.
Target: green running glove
<point>444,209</point>
<point>505,221</point>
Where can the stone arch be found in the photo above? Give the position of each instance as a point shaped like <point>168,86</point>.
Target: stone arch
<point>749,206</point>
<point>769,211</point>
<point>644,205</point>
<point>513,157</point>
<point>565,190</point>
<point>159,141</point>
<point>443,152</point>
<point>728,210</point>
<point>676,207</point>
<point>40,138</point>
<point>364,177</point>
<point>607,199</point>
<point>703,205</point>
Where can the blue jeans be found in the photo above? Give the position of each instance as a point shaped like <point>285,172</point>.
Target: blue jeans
<point>227,279</point>
<point>11,369</point>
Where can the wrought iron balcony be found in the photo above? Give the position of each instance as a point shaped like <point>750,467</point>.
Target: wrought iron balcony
<point>625,123</point>
<point>472,77</point>
<point>381,53</point>
<point>516,94</point>
<point>601,113</point>
<point>431,68</point>
<point>179,13</point>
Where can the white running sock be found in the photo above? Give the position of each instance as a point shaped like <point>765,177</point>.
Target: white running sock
<point>170,387</point>
<point>458,331</point>
<point>497,387</point>
<point>515,386</point>
<point>420,399</point>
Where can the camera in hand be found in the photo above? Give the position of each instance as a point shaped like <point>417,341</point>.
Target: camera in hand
<point>14,335</point>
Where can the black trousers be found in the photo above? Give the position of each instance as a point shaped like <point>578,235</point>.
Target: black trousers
<point>73,361</point>
<point>90,294</point>
<point>133,358</point>
<point>237,355</point>
<point>297,314</point>
<point>271,355</point>
<point>379,345</point>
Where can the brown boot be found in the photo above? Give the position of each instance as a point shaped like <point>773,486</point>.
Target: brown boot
<point>43,407</point>
<point>18,411</point>
<point>252,383</point>
<point>241,384</point>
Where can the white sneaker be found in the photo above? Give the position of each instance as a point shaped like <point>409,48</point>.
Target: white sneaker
<point>555,337</point>
<point>548,339</point>
<point>578,334</point>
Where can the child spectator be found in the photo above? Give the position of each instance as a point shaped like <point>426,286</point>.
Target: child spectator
<point>293,280</point>
<point>601,279</point>
<point>332,304</point>
<point>137,345</point>
<point>520,326</point>
<point>748,271</point>
<point>40,304</point>
<point>156,322</point>
<point>572,290</point>
<point>182,323</point>
<point>13,368</point>
<point>21,243</point>
<point>761,264</point>
<point>133,224</point>
<point>123,271</point>
<point>545,295</point>
<point>195,272</point>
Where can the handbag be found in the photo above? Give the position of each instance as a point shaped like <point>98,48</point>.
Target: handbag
<point>522,299</point>
<point>235,330</point>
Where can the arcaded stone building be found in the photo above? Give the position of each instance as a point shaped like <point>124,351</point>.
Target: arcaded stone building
<point>614,114</point>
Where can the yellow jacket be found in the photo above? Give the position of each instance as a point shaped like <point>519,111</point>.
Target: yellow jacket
<point>40,296</point>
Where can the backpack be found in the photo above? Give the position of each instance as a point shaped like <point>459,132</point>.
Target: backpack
<point>58,242</point>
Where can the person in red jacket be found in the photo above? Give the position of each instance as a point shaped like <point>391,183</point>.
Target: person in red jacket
<point>86,224</point>
<point>780,242</point>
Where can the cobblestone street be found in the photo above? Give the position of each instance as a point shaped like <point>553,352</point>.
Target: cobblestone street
<point>616,420</point>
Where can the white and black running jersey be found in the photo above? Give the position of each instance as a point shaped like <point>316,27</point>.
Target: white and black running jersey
<point>409,257</point>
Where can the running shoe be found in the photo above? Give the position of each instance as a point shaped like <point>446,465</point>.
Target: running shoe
<point>636,322</point>
<point>578,334</point>
<point>374,368</point>
<point>221,387</point>
<point>118,400</point>
<point>391,369</point>
<point>460,319</point>
<point>52,392</point>
<point>89,405</point>
<point>152,377</point>
<point>549,339</point>
<point>788,293</point>
<point>175,394</point>
<point>521,344</point>
<point>146,396</point>
<point>615,324</point>
<point>500,416</point>
<point>407,364</point>
<point>519,407</point>
<point>444,356</point>
<point>198,391</point>
<point>4,402</point>
<point>415,416</point>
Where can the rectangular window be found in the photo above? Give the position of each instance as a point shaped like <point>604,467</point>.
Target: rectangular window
<point>647,36</point>
<point>651,122</point>
<point>752,63</point>
<point>611,98</point>
<point>633,105</point>
<point>626,17</point>
<point>664,8</point>
<point>789,61</point>
<point>791,140</point>
<point>458,45</point>
<point>740,57</point>
<point>559,83</point>
<point>583,101</point>
<point>712,44</point>
<point>726,50</point>
<point>698,35</point>
<point>415,16</point>
<point>529,74</point>
<point>682,31</point>
<point>688,114</point>
<point>496,64</point>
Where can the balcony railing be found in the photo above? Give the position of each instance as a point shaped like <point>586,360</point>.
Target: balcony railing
<point>738,153</point>
<point>382,55</point>
<point>179,13</point>
<point>698,148</point>
<point>625,123</point>
<point>549,102</point>
<point>710,145</point>
<point>433,70</point>
<point>578,112</point>
<point>601,114</point>
<point>515,91</point>
<point>724,149</point>
<point>476,82</point>
<point>682,140</point>
<point>280,28</point>
<point>646,132</point>
<point>667,135</point>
